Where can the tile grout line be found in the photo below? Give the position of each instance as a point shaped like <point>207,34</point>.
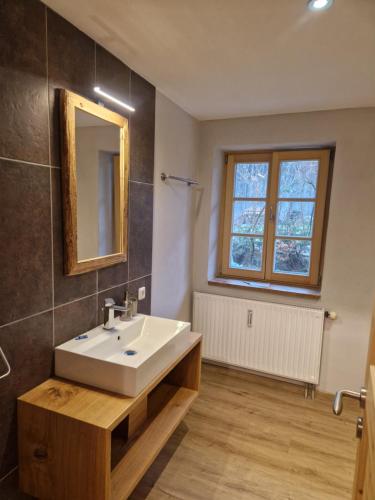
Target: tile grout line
<point>140,277</point>
<point>95,45</point>
<point>128,186</point>
<point>142,182</point>
<point>8,473</point>
<point>130,86</point>
<point>48,310</point>
<point>13,160</point>
<point>124,283</point>
<point>52,260</point>
<point>47,78</point>
<point>97,293</point>
<point>112,287</point>
<point>10,323</point>
<point>75,300</point>
<point>50,185</point>
<point>97,271</point>
<point>130,128</point>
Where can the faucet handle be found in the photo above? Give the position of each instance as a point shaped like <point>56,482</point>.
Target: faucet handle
<point>109,302</point>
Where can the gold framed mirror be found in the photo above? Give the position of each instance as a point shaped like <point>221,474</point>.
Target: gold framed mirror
<point>95,167</point>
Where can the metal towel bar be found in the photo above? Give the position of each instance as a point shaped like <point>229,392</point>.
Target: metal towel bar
<point>189,182</point>
<point>6,364</point>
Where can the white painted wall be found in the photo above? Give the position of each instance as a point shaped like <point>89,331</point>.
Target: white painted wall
<point>349,272</point>
<point>188,148</point>
<point>176,148</point>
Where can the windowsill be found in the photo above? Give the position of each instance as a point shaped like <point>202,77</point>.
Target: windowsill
<point>260,286</point>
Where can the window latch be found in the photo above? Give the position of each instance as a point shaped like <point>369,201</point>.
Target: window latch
<point>272,215</point>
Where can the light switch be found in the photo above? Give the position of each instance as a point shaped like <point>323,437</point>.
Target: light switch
<point>142,293</point>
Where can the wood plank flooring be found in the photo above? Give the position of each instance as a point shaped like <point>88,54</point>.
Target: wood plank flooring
<point>249,437</point>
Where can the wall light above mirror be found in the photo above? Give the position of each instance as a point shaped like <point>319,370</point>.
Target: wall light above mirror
<point>95,165</point>
<point>123,104</point>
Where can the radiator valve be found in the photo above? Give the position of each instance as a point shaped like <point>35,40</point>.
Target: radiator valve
<point>330,314</point>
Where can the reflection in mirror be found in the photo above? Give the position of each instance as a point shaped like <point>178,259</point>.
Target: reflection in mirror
<point>94,174</point>
<point>97,163</point>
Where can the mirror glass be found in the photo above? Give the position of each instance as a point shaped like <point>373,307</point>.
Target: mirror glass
<point>97,147</point>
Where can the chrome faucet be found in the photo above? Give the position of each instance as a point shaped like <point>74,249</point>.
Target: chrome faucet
<point>109,313</point>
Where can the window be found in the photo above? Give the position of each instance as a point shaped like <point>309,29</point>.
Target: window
<point>273,216</point>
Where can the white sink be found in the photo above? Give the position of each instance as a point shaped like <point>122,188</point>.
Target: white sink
<point>126,358</point>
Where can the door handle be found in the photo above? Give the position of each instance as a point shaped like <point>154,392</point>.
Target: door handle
<point>337,404</point>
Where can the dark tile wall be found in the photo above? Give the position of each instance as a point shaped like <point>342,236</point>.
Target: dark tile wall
<point>41,52</point>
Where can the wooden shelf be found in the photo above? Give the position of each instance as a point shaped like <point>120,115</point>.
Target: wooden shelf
<point>126,475</point>
<point>80,442</point>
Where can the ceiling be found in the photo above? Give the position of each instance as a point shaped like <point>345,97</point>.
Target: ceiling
<point>227,58</point>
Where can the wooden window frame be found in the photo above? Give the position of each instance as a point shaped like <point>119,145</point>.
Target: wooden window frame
<point>274,158</point>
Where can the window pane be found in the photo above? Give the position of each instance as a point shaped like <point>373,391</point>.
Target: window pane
<point>248,217</point>
<point>246,253</point>
<point>250,180</point>
<point>295,218</point>
<point>298,179</point>
<point>292,257</point>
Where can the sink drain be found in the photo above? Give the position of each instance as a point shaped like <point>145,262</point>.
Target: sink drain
<point>130,352</point>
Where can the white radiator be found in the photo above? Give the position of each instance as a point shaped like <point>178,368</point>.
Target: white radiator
<point>271,338</point>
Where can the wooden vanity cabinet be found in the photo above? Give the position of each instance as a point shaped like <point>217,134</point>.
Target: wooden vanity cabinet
<point>77,442</point>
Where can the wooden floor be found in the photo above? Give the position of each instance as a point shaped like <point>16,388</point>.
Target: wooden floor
<point>248,437</point>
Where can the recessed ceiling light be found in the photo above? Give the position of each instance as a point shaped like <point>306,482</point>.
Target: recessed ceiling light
<point>319,4</point>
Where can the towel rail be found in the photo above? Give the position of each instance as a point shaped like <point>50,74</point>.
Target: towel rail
<point>6,364</point>
<point>189,182</point>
